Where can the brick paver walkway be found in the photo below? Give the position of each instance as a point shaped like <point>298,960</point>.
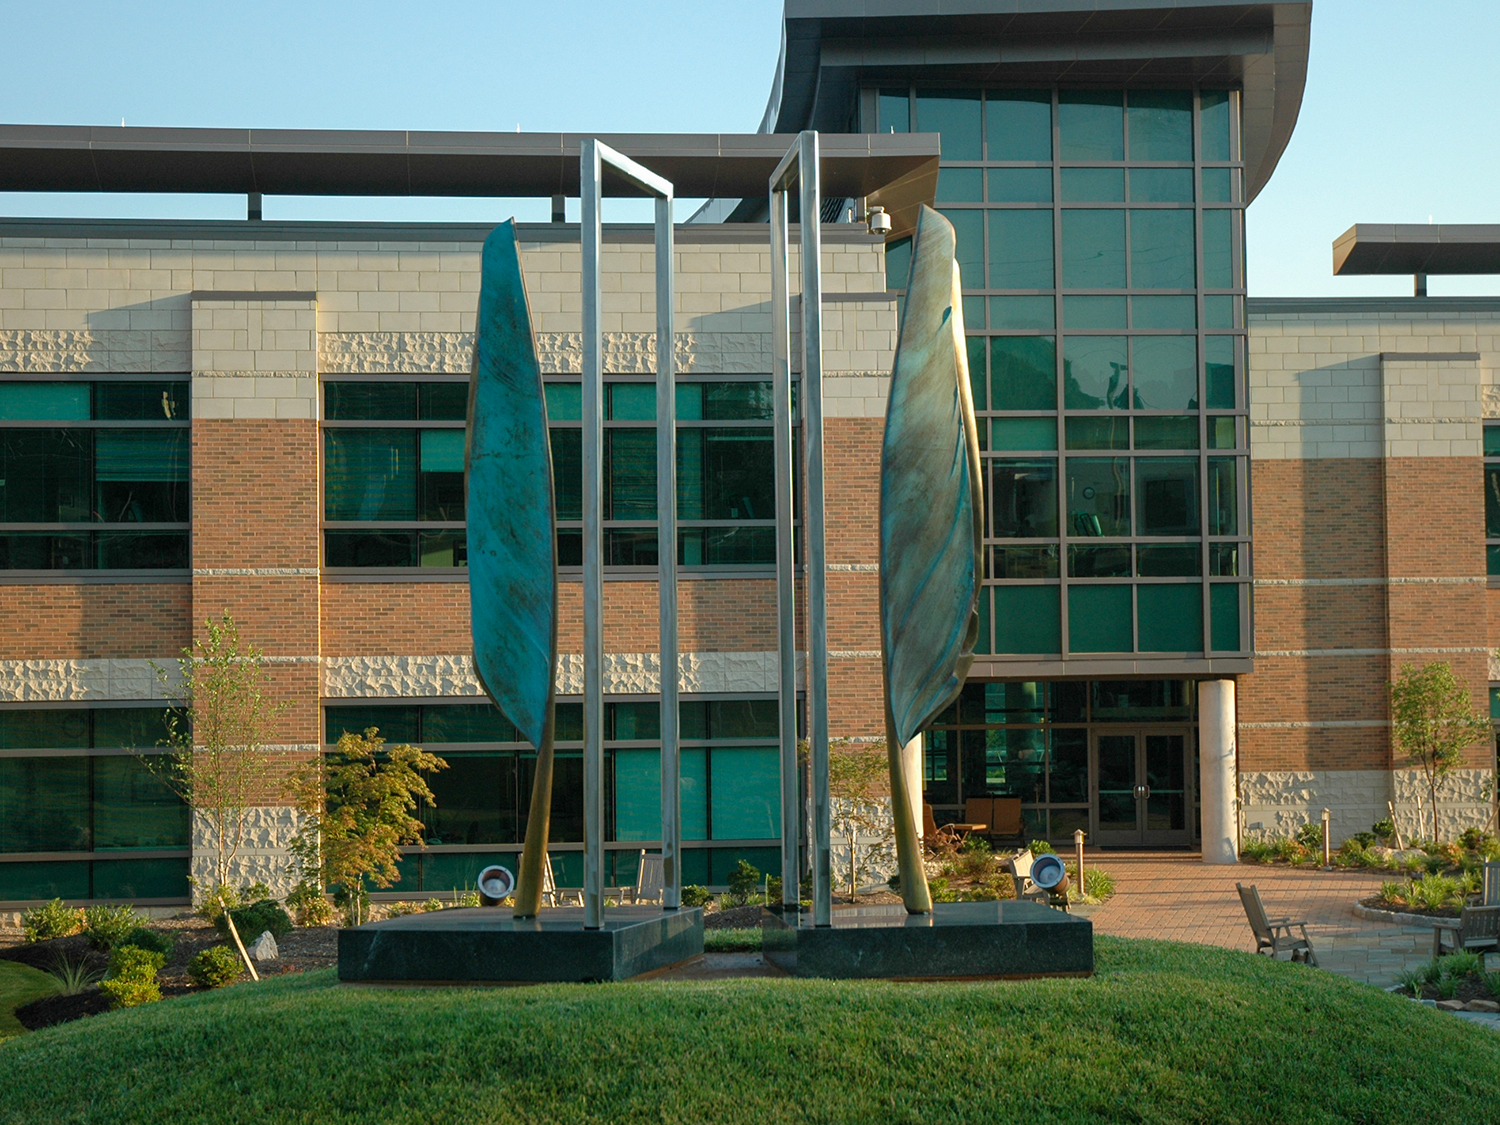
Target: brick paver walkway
<point>1176,897</point>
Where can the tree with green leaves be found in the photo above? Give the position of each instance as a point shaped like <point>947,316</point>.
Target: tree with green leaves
<point>359,803</point>
<point>1433,721</point>
<point>217,756</point>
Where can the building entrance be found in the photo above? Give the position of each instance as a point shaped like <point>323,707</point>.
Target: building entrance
<point>1142,794</point>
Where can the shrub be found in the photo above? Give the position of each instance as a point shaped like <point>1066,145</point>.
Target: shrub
<point>253,920</point>
<point>69,978</point>
<point>151,941</point>
<point>54,920</point>
<point>1288,849</point>
<point>941,891</point>
<point>1364,839</point>
<point>400,909</point>
<point>1456,966</point>
<point>1038,847</point>
<point>309,905</point>
<point>1410,981</point>
<point>1392,893</point>
<point>215,967</point>
<point>773,889</point>
<point>1310,836</point>
<point>1435,892</point>
<point>1098,883</point>
<point>132,976</point>
<point>212,905</point>
<point>1447,988</point>
<point>978,864</point>
<point>1491,981</point>
<point>694,895</point>
<point>106,926</point>
<point>742,882</point>
<point>1431,972</point>
<point>1384,829</point>
<point>1257,851</point>
<point>1471,838</point>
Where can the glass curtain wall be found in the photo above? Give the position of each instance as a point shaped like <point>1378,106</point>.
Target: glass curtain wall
<point>730,789</point>
<point>394,464</point>
<point>94,474</point>
<point>1492,499</point>
<point>81,817</point>
<point>1100,241</point>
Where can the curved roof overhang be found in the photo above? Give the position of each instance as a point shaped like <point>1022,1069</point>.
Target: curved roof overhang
<point>1412,248</point>
<point>831,47</point>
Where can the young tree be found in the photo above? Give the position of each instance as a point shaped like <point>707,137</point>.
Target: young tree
<point>1433,720</point>
<point>858,780</point>
<point>217,759</point>
<point>358,803</point>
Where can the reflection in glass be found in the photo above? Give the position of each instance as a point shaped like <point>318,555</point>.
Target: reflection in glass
<point>1023,501</point>
<point>1109,432</point>
<point>1023,373</point>
<point>1095,373</point>
<point>1093,185</point>
<point>1023,434</point>
<point>1217,185</point>
<point>369,474</point>
<point>1161,561</point>
<point>1218,372</point>
<point>968,246</point>
<point>1069,774</point>
<point>1161,125</point>
<point>1218,242</point>
<point>1168,492</point>
<point>960,185</point>
<point>893,111</point>
<point>1021,313</point>
<point>1020,185</point>
<point>1223,497</point>
<point>1099,562</point>
<point>954,114</point>
<point>1099,497</point>
<point>1166,433</point>
<point>1224,560</point>
<point>1091,125</point>
<point>1161,249</point>
<point>1023,562</point>
<point>1163,312</point>
<point>1020,249</point>
<point>1093,312</point>
<point>1161,185</point>
<point>1093,249</point>
<point>1213,124</point>
<point>1165,372</point>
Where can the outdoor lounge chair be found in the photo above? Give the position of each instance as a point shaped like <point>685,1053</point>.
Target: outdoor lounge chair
<point>650,880</point>
<point>948,833</point>
<point>1476,930</point>
<point>1019,867</point>
<point>551,894</point>
<point>1274,935</point>
<point>1006,821</point>
<point>1490,895</point>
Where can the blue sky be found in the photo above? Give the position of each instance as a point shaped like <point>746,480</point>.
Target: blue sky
<point>1398,124</point>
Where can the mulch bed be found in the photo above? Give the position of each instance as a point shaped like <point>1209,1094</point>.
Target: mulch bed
<point>1375,902</point>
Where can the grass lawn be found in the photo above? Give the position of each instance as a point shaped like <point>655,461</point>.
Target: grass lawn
<point>1162,1033</point>
<point>19,984</point>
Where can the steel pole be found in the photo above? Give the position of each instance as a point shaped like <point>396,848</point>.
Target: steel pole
<point>666,558</point>
<point>813,529</point>
<point>591,237</point>
<point>786,602</point>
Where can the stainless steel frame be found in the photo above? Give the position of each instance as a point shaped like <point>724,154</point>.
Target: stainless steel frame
<point>593,156</point>
<point>800,166</point>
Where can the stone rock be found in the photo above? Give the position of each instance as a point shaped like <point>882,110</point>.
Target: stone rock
<point>1482,1006</point>
<point>264,948</point>
<point>1451,1005</point>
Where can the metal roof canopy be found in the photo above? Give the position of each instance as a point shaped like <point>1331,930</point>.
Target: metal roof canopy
<point>1415,248</point>
<point>396,163</point>
<point>830,47</point>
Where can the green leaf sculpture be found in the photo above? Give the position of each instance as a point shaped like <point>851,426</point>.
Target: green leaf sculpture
<point>931,523</point>
<point>511,537</point>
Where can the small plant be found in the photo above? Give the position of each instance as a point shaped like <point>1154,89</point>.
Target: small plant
<point>1391,893</point>
<point>215,967</point>
<point>1491,981</point>
<point>465,899</point>
<point>1097,883</point>
<point>403,909</point>
<point>1310,836</point>
<point>1410,981</point>
<point>1435,892</point>
<point>1457,966</point>
<point>225,897</point>
<point>253,920</point>
<point>773,889</point>
<point>1363,839</point>
<point>1431,972</point>
<point>1447,988</point>
<point>1289,850</point>
<point>70,978</point>
<point>1384,830</point>
<point>106,926</point>
<point>1257,851</point>
<point>742,881</point>
<point>54,920</point>
<point>308,904</point>
<point>132,976</point>
<point>941,891</point>
<point>149,940</point>
<point>694,895</point>
<point>1040,847</point>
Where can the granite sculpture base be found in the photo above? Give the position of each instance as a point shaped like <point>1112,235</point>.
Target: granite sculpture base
<point>486,945</point>
<point>957,941</point>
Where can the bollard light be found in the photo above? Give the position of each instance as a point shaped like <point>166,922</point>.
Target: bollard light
<point>1327,843</point>
<point>1078,849</point>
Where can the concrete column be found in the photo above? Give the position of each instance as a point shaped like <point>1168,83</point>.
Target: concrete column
<point>911,766</point>
<point>1216,770</point>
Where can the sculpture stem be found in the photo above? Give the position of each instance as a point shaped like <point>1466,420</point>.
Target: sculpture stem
<point>914,891</point>
<point>538,826</point>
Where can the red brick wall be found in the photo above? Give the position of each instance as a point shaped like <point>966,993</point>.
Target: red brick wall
<point>147,620</point>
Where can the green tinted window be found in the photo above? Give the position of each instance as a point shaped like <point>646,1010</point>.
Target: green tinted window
<point>1167,495</point>
<point>1093,312</point>
<point>1024,562</point>
<point>1163,312</point>
<point>1161,249</point>
<point>1098,497</point>
<point>1223,497</point>
<point>1099,562</point>
<point>1218,372</point>
<point>395,724</point>
<point>564,401</point>
<point>724,474</point>
<point>1165,371</point>
<point>631,402</point>
<point>567,472</point>
<point>1219,312</point>
<point>975,348</point>
<point>1023,433</point>
<point>1020,185</point>
<point>1161,561</point>
<point>44,805</point>
<point>1161,125</point>
<point>443,402</point>
<point>1492,441</point>
<point>1222,433</point>
<point>1020,250</point>
<point>1171,617</point>
<point>630,474</point>
<point>43,401</point>
<point>954,114</point>
<point>634,722</point>
<point>1023,499</point>
<point>968,245</point>
<point>960,185</point>
<point>135,808</point>
<point>466,722</point>
<point>369,474</point>
<point>1167,433</point>
<point>897,263</point>
<point>44,730</point>
<point>129,728</point>
<point>1018,124</point>
<point>1027,620</point>
<point>1218,185</point>
<point>1093,249</point>
<point>1161,185</point>
<point>1090,125</point>
<point>47,476</point>
<point>745,784</point>
<point>1022,312</point>
<point>1224,618</point>
<point>637,794</point>
<point>1213,120</point>
<point>47,880</point>
<point>147,402</point>
<point>1218,244</point>
<point>1112,431</point>
<point>893,111</point>
<point>1023,373</point>
<point>1093,185</point>
<point>354,402</point>
<point>1095,373</point>
<point>141,878</point>
<point>1099,619</point>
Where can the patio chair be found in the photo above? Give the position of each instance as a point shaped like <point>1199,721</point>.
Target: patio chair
<point>552,895</point>
<point>1019,866</point>
<point>1476,930</point>
<point>650,880</point>
<point>1274,935</point>
<point>1006,821</point>
<point>1490,895</point>
<point>954,834</point>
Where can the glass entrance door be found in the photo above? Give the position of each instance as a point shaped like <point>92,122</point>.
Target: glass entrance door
<point>1141,795</point>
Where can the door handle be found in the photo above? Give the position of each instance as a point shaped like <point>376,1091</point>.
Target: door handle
<point>1142,792</point>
